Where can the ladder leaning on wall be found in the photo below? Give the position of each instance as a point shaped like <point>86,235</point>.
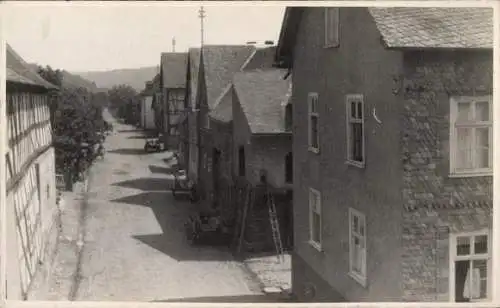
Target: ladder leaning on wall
<point>275,227</point>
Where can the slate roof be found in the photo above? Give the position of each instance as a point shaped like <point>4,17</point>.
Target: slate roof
<point>411,27</point>
<point>220,62</point>
<point>173,66</point>
<point>262,58</point>
<point>19,71</point>
<point>224,110</point>
<point>263,95</point>
<point>194,67</point>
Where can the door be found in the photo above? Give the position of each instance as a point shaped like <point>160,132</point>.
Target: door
<point>216,174</point>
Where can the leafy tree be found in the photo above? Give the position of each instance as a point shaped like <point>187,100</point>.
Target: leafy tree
<point>125,102</point>
<point>77,122</point>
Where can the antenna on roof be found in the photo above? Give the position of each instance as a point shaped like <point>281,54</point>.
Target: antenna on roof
<point>173,44</point>
<point>202,16</point>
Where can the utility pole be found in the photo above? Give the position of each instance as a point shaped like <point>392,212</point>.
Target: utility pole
<point>202,17</point>
<point>173,44</point>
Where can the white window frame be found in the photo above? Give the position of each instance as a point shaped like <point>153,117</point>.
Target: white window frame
<point>332,23</point>
<point>454,101</point>
<point>349,120</point>
<point>312,105</point>
<point>358,277</point>
<point>313,193</point>
<point>453,257</point>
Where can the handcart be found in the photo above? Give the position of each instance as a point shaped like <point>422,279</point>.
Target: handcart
<point>183,186</point>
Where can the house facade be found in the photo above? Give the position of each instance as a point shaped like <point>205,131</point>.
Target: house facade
<point>392,133</point>
<point>218,63</point>
<point>30,176</point>
<point>190,133</point>
<point>262,151</point>
<point>147,120</point>
<point>173,82</point>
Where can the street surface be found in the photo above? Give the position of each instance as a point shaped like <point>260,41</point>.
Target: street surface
<point>134,244</point>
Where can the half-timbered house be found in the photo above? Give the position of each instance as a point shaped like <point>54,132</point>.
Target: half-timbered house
<point>30,175</point>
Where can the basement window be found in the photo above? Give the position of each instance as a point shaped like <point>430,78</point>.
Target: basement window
<point>470,267</point>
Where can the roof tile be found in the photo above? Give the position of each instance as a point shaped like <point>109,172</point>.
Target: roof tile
<point>263,95</point>
<point>220,63</point>
<point>412,27</point>
<point>20,72</point>
<point>173,66</point>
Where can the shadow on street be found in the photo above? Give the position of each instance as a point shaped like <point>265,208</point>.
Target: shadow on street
<point>251,298</point>
<point>134,130</point>
<point>148,184</point>
<point>161,170</point>
<point>171,216</point>
<point>139,137</point>
<point>130,151</point>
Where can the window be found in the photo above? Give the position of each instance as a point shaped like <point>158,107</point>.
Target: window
<point>288,117</point>
<point>313,122</point>
<point>357,246</point>
<point>355,130</point>
<point>241,161</point>
<point>289,168</point>
<point>331,27</point>
<point>315,218</point>
<point>471,136</point>
<point>470,267</point>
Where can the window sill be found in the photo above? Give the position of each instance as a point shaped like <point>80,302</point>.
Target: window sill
<point>314,150</point>
<point>470,174</point>
<point>358,279</point>
<point>355,163</point>
<point>315,245</point>
<point>331,45</point>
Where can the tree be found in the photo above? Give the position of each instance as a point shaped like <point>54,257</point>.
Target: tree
<point>77,122</point>
<point>125,102</point>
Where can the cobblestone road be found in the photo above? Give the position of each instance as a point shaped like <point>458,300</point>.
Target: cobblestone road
<point>135,249</point>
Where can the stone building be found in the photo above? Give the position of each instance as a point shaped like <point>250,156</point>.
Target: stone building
<point>392,152</point>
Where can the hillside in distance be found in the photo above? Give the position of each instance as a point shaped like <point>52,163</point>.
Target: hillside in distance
<point>134,77</point>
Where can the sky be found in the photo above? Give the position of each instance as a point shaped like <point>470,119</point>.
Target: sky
<point>90,36</point>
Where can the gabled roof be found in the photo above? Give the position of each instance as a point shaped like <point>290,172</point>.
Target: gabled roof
<point>19,71</point>
<point>262,58</point>
<point>220,62</point>
<point>194,69</point>
<point>173,67</point>
<point>223,112</point>
<point>410,27</point>
<point>263,95</point>
<point>153,87</point>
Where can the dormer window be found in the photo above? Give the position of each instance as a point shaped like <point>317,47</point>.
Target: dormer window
<point>331,27</point>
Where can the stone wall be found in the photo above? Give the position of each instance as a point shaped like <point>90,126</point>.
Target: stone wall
<point>437,204</point>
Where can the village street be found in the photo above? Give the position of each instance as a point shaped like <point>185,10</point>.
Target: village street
<point>134,245</point>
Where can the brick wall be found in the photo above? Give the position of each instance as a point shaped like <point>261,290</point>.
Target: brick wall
<point>435,203</point>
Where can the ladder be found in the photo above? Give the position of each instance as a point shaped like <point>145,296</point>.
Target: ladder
<point>248,202</point>
<point>273,219</point>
